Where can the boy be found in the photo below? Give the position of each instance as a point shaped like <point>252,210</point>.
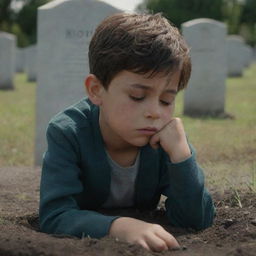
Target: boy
<point>122,147</point>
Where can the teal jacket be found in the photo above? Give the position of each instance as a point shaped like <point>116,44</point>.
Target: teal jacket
<point>75,180</point>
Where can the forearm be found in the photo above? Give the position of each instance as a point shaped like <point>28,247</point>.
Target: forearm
<point>189,204</point>
<point>75,222</point>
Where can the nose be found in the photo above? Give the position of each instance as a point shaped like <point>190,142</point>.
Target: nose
<point>152,111</point>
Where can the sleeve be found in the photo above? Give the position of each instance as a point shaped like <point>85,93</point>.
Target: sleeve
<point>188,203</point>
<point>59,212</point>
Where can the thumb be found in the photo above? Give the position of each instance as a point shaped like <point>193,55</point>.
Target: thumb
<point>154,141</point>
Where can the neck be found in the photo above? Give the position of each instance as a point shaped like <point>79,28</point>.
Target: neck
<point>120,151</point>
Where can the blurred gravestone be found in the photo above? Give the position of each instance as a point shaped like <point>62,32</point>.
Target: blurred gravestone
<point>205,94</point>
<point>65,28</point>
<point>235,55</point>
<point>31,62</point>
<point>248,55</point>
<point>20,60</point>
<point>7,60</point>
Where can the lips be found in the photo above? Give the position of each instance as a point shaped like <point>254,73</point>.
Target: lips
<point>148,130</point>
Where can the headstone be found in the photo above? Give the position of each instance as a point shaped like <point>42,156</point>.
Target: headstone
<point>31,62</point>
<point>20,60</point>
<point>7,60</point>
<point>65,28</point>
<point>205,94</point>
<point>248,55</point>
<point>235,55</point>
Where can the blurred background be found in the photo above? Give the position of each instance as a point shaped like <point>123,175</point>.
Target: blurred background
<point>225,144</point>
<point>19,17</point>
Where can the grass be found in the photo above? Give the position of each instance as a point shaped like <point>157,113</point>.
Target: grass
<point>252,183</point>
<point>17,112</point>
<point>225,147</point>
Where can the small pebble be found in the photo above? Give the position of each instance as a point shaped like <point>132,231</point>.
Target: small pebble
<point>197,240</point>
<point>184,248</point>
<point>253,222</point>
<point>228,222</point>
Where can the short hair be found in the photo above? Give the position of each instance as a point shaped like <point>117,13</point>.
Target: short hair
<point>141,43</point>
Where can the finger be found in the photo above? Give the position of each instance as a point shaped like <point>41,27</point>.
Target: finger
<point>168,238</point>
<point>156,244</point>
<point>154,141</point>
<point>171,121</point>
<point>144,245</point>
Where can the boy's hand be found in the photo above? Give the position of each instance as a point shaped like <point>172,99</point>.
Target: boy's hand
<point>172,139</point>
<point>150,236</point>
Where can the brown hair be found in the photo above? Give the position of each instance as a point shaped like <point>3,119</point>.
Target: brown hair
<point>141,43</point>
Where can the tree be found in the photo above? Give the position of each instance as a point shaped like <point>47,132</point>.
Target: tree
<point>27,18</point>
<point>248,21</point>
<point>232,10</point>
<point>249,12</point>
<point>6,14</point>
<point>239,15</point>
<point>179,11</point>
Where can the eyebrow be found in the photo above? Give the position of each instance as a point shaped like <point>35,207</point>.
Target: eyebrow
<point>148,88</point>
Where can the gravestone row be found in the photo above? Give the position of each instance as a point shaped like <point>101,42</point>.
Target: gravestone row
<point>59,62</point>
<point>63,63</point>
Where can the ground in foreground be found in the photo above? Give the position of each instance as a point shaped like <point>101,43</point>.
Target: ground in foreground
<point>233,233</point>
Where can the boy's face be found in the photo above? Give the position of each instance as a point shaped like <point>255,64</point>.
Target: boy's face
<point>135,107</point>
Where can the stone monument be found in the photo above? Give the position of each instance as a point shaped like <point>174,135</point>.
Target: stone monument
<point>20,60</point>
<point>65,28</point>
<point>31,62</point>
<point>235,55</point>
<point>205,94</point>
<point>7,60</point>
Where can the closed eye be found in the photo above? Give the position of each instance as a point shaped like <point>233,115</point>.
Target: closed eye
<point>136,98</point>
<point>165,103</point>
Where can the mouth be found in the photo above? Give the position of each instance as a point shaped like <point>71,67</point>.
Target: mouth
<point>148,130</point>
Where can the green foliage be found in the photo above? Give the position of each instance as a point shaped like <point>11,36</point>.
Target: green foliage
<point>5,11</point>
<point>248,22</point>
<point>22,23</point>
<point>232,10</point>
<point>239,15</point>
<point>6,15</point>
<point>179,11</point>
<point>27,18</point>
<point>249,12</point>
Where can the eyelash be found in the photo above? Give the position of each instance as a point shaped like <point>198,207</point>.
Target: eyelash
<point>136,98</point>
<point>165,103</point>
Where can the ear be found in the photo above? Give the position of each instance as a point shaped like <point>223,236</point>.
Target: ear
<point>94,89</point>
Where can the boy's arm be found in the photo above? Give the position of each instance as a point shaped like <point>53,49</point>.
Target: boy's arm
<point>59,212</point>
<point>188,202</point>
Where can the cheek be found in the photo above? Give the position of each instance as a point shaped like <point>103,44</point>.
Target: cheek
<point>167,115</point>
<point>128,106</point>
<point>124,111</point>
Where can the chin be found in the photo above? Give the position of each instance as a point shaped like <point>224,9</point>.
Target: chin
<point>140,143</point>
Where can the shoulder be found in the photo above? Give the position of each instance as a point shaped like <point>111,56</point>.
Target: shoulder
<point>74,117</point>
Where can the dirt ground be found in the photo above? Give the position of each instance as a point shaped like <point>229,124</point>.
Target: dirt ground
<point>233,233</point>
